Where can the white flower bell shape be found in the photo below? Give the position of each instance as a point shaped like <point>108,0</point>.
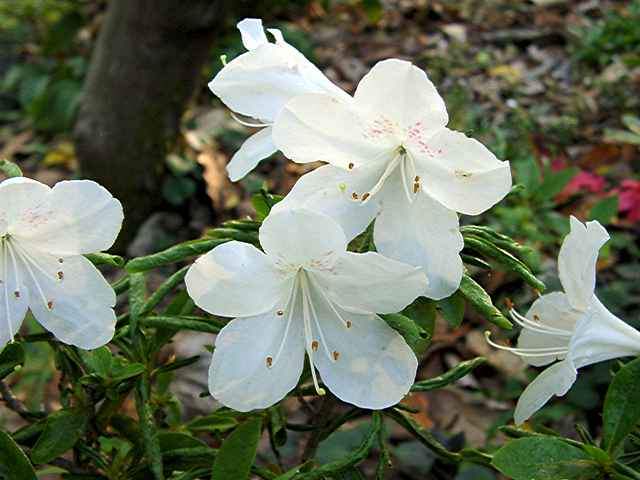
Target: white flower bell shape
<point>259,83</point>
<point>391,155</point>
<point>572,328</point>
<point>44,233</point>
<point>305,295</point>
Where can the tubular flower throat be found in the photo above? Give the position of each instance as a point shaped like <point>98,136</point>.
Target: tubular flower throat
<point>573,329</point>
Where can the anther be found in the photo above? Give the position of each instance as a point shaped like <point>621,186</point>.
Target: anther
<point>60,275</point>
<point>536,317</point>
<point>61,260</point>
<point>417,179</point>
<point>269,362</point>
<point>365,196</point>
<point>280,313</point>
<point>336,355</point>
<point>351,165</point>
<point>314,345</point>
<point>416,187</point>
<point>354,195</point>
<point>16,294</point>
<point>50,305</point>
<point>349,324</point>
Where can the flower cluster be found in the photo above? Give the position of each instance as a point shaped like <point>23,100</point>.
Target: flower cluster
<point>389,160</point>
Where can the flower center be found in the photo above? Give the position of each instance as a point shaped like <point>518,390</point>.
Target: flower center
<point>410,180</point>
<point>301,304</point>
<point>12,252</point>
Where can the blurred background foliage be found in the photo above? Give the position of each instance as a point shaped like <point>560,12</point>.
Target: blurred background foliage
<point>550,85</point>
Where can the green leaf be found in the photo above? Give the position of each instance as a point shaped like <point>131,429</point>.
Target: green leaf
<point>61,432</point>
<point>490,250</point>
<point>614,135</point>
<point>350,460</point>
<point>14,464</point>
<point>173,254</point>
<point>148,427</point>
<point>238,452</point>
<point>105,259</point>
<point>632,122</point>
<point>197,324</point>
<point>604,210</point>
<point>554,183</point>
<point>423,312</point>
<point>572,470</point>
<point>10,169</point>
<point>121,371</point>
<point>263,202</point>
<point>239,235</point>
<point>415,336</point>
<point>170,441</point>
<point>163,290</point>
<point>220,421</point>
<point>452,309</point>
<point>11,357</point>
<point>525,458</point>
<point>277,426</point>
<point>453,375</point>
<point>621,406</point>
<point>481,301</point>
<point>98,360</point>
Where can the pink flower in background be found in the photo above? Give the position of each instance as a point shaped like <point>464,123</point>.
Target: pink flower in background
<point>583,182</point>
<point>629,195</point>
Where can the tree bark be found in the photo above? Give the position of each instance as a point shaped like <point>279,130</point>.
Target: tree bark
<point>146,64</point>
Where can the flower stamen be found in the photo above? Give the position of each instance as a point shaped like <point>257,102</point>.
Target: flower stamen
<point>527,324</point>
<point>527,352</point>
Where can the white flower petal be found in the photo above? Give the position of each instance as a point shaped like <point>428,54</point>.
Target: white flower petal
<point>254,149</point>
<point>260,82</point>
<point>577,261</point>
<point>555,380</point>
<point>422,233</point>
<point>70,299</point>
<point>13,306</point>
<point>552,310</point>
<point>76,217</point>
<point>21,198</point>
<point>239,376</point>
<point>402,93</point>
<point>372,283</point>
<point>236,279</point>
<point>329,190</point>
<point>252,33</point>
<point>460,172</point>
<point>317,127</point>
<point>375,367</point>
<point>297,237</point>
<point>600,336</point>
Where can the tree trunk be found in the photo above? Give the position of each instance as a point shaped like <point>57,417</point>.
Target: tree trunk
<point>146,64</point>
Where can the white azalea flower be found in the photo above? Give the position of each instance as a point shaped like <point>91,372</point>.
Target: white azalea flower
<point>43,234</point>
<point>572,327</point>
<point>306,293</point>
<point>259,82</point>
<point>391,155</point>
